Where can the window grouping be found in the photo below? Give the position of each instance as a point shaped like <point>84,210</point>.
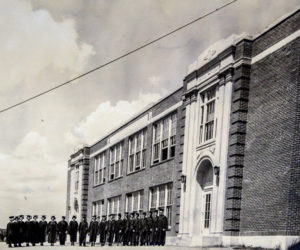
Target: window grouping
<point>98,208</point>
<point>137,151</point>
<point>76,180</point>
<point>99,169</point>
<point>164,138</point>
<point>114,204</point>
<point>116,161</point>
<point>207,115</point>
<point>134,201</point>
<point>161,197</point>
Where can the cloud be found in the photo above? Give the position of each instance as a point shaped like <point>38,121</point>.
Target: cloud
<point>33,44</point>
<point>155,80</point>
<point>31,171</point>
<point>107,116</point>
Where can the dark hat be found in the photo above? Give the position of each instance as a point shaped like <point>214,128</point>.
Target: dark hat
<point>161,209</point>
<point>63,217</point>
<point>35,216</point>
<point>132,213</point>
<point>83,217</point>
<point>74,216</point>
<point>11,217</point>
<point>103,216</point>
<point>28,216</point>
<point>44,216</point>
<point>119,215</point>
<point>126,213</point>
<point>94,216</point>
<point>53,217</point>
<point>21,216</point>
<point>155,211</point>
<point>144,213</point>
<point>98,216</point>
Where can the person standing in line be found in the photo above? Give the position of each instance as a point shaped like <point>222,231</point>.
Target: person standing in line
<point>93,229</point>
<point>62,228</point>
<point>83,230</point>
<point>138,228</point>
<point>72,229</point>
<point>111,229</point>
<point>21,230</point>
<point>42,230</point>
<point>150,228</point>
<point>35,230</point>
<point>10,231</point>
<point>133,229</point>
<point>52,231</point>
<point>126,223</point>
<point>162,225</point>
<point>119,229</point>
<point>15,229</point>
<point>143,229</point>
<point>155,228</point>
<point>28,230</point>
<point>102,230</point>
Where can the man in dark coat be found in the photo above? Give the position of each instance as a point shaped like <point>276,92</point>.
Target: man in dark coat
<point>119,230</point>
<point>35,230</point>
<point>155,229</point>
<point>10,232</point>
<point>15,229</point>
<point>62,228</point>
<point>42,230</point>
<point>52,231</point>
<point>102,230</point>
<point>21,230</point>
<point>134,229</point>
<point>83,230</point>
<point>72,229</point>
<point>93,230</point>
<point>28,230</point>
<point>150,228</point>
<point>143,229</point>
<point>162,225</point>
<point>126,225</point>
<point>111,229</point>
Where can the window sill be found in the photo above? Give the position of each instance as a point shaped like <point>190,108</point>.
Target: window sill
<point>161,162</point>
<point>206,144</point>
<point>115,179</point>
<point>142,169</point>
<point>100,184</point>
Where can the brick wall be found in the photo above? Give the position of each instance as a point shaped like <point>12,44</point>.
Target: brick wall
<point>270,186</point>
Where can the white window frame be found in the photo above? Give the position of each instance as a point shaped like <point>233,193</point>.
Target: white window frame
<point>167,187</point>
<point>99,169</point>
<point>132,143</point>
<point>204,102</point>
<point>140,203</point>
<point>159,141</point>
<point>112,203</point>
<point>98,208</point>
<point>113,151</point>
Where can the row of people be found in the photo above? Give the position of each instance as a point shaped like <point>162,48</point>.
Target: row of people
<point>131,230</point>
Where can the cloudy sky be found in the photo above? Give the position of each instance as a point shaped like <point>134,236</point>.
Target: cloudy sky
<point>45,42</point>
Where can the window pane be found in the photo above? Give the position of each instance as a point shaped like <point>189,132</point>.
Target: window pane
<point>144,159</point>
<point>129,203</point>
<point>117,169</point>
<point>141,200</point>
<point>131,163</point>
<point>144,138</point>
<point>169,194</point>
<point>153,197</point>
<point>138,159</point>
<point>139,142</point>
<point>161,195</point>
<point>165,128</point>
<point>174,124</point>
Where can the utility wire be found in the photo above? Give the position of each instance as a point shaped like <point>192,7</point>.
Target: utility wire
<point>118,58</point>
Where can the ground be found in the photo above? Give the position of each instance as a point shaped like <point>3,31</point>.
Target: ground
<point>56,247</point>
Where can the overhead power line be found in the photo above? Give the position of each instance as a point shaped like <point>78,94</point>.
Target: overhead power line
<point>118,58</point>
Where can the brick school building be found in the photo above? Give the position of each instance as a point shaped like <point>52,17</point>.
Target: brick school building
<point>221,154</point>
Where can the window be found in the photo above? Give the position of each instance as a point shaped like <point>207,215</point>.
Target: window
<point>99,169</point>
<point>98,208</point>
<point>116,161</point>
<point>114,204</point>
<point>207,210</point>
<point>134,201</point>
<point>137,151</point>
<point>164,139</point>
<point>161,197</point>
<point>207,116</point>
<point>76,180</point>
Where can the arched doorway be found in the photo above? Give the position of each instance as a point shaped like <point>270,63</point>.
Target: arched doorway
<point>204,177</point>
